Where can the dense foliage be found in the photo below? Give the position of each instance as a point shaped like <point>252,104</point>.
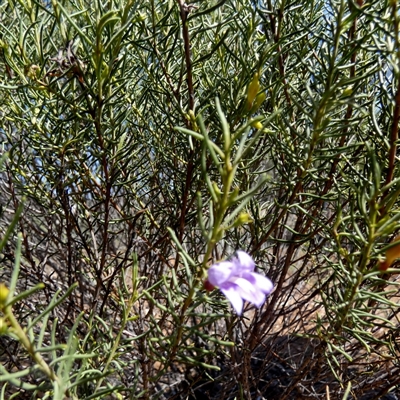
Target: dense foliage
<point>143,141</point>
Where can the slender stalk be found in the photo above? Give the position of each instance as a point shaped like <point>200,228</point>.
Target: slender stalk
<point>16,328</point>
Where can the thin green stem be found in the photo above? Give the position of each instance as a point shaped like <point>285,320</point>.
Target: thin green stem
<point>30,348</point>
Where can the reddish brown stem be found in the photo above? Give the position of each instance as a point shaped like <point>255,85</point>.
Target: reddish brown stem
<point>186,40</point>
<point>393,136</point>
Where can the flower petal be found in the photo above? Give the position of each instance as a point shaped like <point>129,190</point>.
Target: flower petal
<point>234,297</point>
<point>259,299</point>
<point>244,284</point>
<point>249,292</point>
<point>220,273</point>
<point>262,282</point>
<point>245,261</point>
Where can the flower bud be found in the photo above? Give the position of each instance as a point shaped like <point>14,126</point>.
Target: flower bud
<point>233,196</point>
<point>347,92</point>
<point>252,91</point>
<point>4,291</point>
<point>242,219</point>
<point>191,115</point>
<point>260,98</point>
<point>217,190</point>
<point>257,124</point>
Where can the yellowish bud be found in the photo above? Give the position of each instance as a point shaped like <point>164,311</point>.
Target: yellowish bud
<point>4,291</point>
<point>191,115</point>
<point>260,98</point>
<point>233,196</point>
<point>257,124</point>
<point>252,91</point>
<point>216,189</point>
<point>348,91</point>
<point>242,219</point>
<point>343,252</point>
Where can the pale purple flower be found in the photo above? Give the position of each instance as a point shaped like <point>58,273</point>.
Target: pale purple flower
<point>238,282</point>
